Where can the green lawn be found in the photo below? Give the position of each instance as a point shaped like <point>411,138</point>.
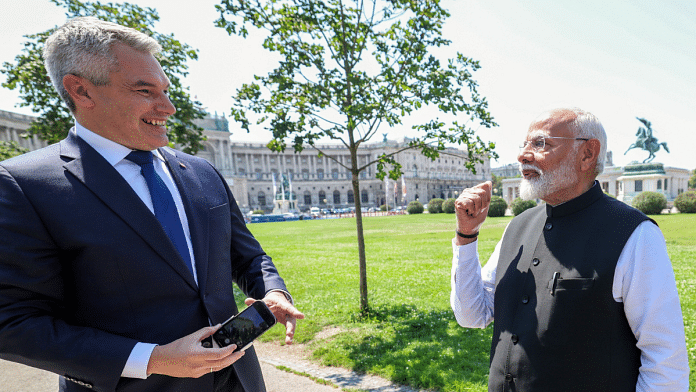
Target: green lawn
<point>411,336</point>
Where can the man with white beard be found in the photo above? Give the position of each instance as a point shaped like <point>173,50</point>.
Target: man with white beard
<point>581,287</point>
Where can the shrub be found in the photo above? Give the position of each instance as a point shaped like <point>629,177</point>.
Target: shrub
<point>448,206</point>
<point>383,207</point>
<point>435,205</point>
<point>258,212</point>
<point>686,202</point>
<point>415,207</point>
<point>498,206</point>
<point>650,203</point>
<point>519,206</point>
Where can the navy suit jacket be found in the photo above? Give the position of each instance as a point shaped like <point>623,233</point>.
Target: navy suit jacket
<point>86,271</point>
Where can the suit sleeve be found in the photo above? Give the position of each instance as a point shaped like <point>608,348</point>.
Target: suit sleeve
<point>253,270</point>
<point>34,328</point>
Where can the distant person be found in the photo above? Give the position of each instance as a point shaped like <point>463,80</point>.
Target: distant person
<point>117,253</point>
<point>581,288</point>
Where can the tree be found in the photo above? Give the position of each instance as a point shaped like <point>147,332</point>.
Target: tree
<point>350,67</point>
<point>29,75</point>
<point>10,149</point>
<point>692,180</point>
<point>497,188</point>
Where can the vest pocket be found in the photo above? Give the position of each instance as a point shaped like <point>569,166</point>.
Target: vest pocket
<point>572,284</point>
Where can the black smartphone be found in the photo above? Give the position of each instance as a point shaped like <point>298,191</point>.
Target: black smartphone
<point>243,328</point>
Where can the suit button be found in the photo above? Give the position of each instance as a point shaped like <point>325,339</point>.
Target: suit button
<point>536,261</point>
<point>514,339</point>
<point>548,226</point>
<point>525,299</point>
<point>508,377</point>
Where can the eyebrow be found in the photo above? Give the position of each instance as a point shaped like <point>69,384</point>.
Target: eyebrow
<point>142,83</point>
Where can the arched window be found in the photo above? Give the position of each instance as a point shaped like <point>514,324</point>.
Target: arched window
<point>364,196</point>
<point>337,197</point>
<point>307,198</point>
<point>322,197</point>
<point>262,198</point>
<point>351,199</point>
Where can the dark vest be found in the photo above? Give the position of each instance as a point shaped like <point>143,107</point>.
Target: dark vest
<point>557,326</point>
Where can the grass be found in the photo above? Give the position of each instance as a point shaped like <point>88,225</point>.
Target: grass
<point>410,335</point>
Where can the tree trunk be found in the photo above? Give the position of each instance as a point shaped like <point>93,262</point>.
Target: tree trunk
<point>364,306</point>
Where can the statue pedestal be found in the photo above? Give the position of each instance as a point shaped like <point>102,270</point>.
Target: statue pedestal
<point>283,206</point>
<point>640,177</point>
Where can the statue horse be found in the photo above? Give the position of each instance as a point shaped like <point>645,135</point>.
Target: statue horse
<point>646,141</point>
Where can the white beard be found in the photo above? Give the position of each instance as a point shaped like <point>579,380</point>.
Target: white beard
<point>547,182</point>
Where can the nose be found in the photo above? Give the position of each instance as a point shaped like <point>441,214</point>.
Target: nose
<point>166,106</point>
<point>525,155</point>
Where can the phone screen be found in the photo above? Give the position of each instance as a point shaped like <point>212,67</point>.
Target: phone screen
<point>245,327</point>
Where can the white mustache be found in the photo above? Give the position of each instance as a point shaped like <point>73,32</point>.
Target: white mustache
<point>526,166</point>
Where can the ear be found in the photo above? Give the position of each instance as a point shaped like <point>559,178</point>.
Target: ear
<point>589,154</point>
<point>79,89</point>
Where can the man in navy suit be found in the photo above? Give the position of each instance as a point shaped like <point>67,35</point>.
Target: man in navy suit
<point>93,285</point>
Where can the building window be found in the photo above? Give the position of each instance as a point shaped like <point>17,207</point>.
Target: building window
<point>639,186</point>
<point>262,198</point>
<point>665,184</point>
<point>337,197</point>
<point>364,196</point>
<point>334,174</point>
<point>351,199</point>
<point>258,174</point>
<point>307,198</point>
<point>320,174</point>
<point>322,197</point>
<point>305,174</point>
<point>659,184</point>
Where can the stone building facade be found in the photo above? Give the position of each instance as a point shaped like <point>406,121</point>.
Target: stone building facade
<point>316,181</point>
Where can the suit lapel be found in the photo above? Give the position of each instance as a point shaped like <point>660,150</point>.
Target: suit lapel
<point>190,190</point>
<point>90,168</point>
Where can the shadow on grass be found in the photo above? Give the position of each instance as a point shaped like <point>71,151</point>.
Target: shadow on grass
<point>421,349</point>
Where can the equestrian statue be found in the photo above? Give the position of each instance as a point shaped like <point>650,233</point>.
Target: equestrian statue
<point>647,141</point>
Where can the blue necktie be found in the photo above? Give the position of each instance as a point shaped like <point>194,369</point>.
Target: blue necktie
<point>163,203</point>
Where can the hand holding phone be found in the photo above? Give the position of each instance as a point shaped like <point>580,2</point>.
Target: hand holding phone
<point>242,329</point>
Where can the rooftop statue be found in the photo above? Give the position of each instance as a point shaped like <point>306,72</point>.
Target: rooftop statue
<point>647,141</point>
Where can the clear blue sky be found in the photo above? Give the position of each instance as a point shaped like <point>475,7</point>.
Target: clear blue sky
<point>619,59</point>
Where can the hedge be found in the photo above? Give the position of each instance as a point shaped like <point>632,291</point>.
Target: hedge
<point>650,203</point>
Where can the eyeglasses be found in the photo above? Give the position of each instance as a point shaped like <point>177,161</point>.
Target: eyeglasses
<point>539,143</point>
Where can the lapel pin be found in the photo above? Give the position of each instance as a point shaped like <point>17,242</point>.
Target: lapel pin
<point>182,165</point>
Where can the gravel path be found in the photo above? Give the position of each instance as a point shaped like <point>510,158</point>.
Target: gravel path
<point>19,378</point>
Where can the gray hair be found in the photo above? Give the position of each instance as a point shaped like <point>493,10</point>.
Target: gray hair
<point>82,47</point>
<point>586,125</point>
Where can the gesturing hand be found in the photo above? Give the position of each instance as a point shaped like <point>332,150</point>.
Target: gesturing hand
<point>472,208</point>
<point>283,311</point>
<point>186,357</point>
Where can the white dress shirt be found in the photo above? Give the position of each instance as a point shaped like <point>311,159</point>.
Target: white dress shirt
<point>115,154</point>
<point>643,281</point>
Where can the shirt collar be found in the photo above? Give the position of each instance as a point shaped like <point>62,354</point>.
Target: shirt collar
<point>110,150</point>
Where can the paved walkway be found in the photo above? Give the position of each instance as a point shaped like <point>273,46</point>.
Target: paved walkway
<point>19,378</point>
